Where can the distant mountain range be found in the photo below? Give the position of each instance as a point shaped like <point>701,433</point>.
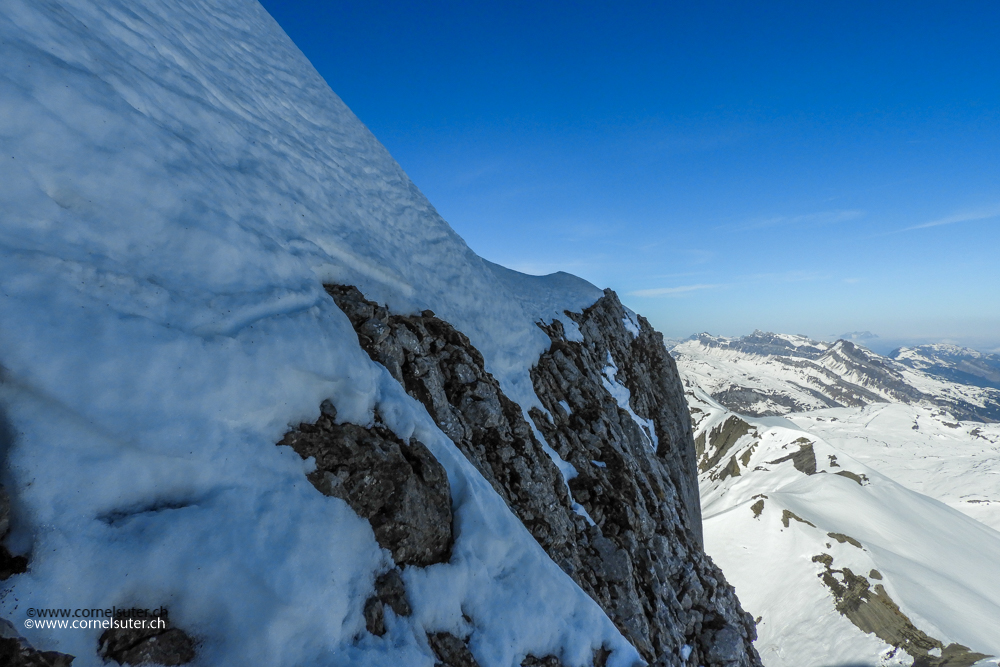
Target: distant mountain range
<point>850,497</point>
<point>768,374</point>
<point>951,362</point>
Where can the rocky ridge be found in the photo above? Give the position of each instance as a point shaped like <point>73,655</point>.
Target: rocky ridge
<point>615,504</point>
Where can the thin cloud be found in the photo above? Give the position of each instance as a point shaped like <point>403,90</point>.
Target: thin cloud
<point>967,216</point>
<point>812,219</point>
<point>671,291</point>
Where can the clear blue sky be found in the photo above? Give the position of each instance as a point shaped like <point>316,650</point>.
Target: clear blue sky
<point>802,167</point>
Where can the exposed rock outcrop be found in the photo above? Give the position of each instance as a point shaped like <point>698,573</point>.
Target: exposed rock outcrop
<point>450,650</point>
<point>16,652</point>
<point>872,610</point>
<point>10,564</point>
<point>389,592</point>
<point>616,412</point>
<point>640,488</point>
<point>155,644</point>
<point>399,487</point>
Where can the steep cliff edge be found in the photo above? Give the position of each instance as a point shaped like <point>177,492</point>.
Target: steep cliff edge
<point>627,526</point>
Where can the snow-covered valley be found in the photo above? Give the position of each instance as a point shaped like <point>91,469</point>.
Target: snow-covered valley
<point>849,532</point>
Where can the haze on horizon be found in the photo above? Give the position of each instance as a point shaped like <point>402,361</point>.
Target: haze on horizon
<point>811,169</point>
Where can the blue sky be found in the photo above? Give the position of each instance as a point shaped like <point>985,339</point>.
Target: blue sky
<point>808,168</point>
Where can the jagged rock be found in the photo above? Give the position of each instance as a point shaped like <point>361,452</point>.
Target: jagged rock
<point>726,646</point>
<point>644,499</point>
<point>439,367</point>
<point>389,590</point>
<point>399,487</point>
<point>642,560</point>
<point>450,650</point>
<point>804,459</point>
<point>9,563</point>
<point>374,616</point>
<point>600,659</point>
<point>148,645</point>
<point>547,661</point>
<point>16,652</point>
<point>713,447</point>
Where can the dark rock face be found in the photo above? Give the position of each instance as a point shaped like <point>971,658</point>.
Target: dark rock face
<point>451,651</point>
<point>439,367</point>
<point>16,652</point>
<point>389,592</point>
<point>804,459</point>
<point>147,646</point>
<point>399,487</point>
<point>653,577</point>
<point>641,559</point>
<point>9,563</point>
<point>600,659</point>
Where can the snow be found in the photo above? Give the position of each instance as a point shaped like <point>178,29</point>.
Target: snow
<point>622,396</point>
<point>805,382</point>
<point>935,550</point>
<point>177,183</point>
<point>955,462</point>
<point>631,322</point>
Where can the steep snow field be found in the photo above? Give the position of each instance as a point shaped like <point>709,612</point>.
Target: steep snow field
<point>177,182</point>
<point>798,507</point>
<point>922,448</point>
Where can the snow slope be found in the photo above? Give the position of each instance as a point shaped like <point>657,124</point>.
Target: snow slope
<point>922,448</point>
<point>902,494</point>
<point>177,182</point>
<point>769,521</point>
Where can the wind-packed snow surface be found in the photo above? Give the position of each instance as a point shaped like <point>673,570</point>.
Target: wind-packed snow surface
<point>904,495</point>
<point>177,184</point>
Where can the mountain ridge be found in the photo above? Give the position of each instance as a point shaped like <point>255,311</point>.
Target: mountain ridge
<point>772,374</point>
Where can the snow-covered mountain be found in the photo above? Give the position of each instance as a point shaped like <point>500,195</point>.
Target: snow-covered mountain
<point>863,534</point>
<point>249,375</point>
<point>952,362</point>
<point>766,374</point>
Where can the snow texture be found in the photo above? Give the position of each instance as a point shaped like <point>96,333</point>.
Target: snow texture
<point>920,481</point>
<point>177,182</point>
